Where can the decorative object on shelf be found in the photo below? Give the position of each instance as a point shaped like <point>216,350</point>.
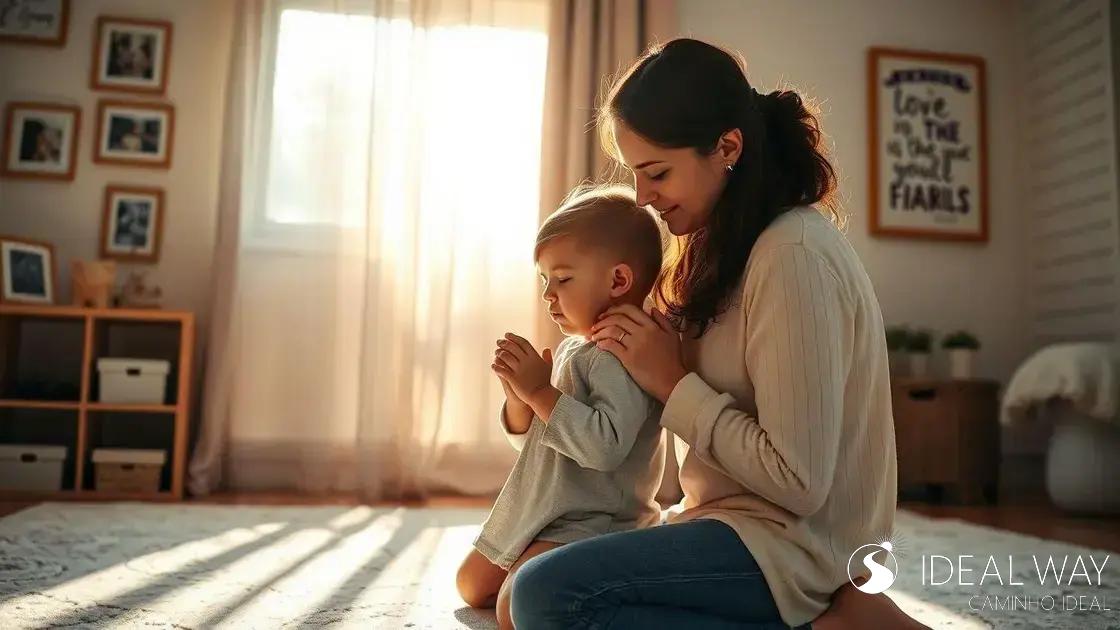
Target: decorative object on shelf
<point>41,22</point>
<point>131,55</point>
<point>135,293</point>
<point>27,271</point>
<point>132,223</point>
<point>134,133</point>
<point>962,346</point>
<point>897,338</point>
<point>92,282</point>
<point>40,140</point>
<point>928,145</point>
<point>919,344</point>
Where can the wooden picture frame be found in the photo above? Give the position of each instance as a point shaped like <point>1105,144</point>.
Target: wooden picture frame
<point>19,282</point>
<point>928,151</point>
<point>134,133</point>
<point>130,55</point>
<point>146,207</point>
<point>53,151</point>
<point>19,18</point>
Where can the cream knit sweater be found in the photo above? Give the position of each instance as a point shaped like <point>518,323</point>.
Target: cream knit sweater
<point>784,427</point>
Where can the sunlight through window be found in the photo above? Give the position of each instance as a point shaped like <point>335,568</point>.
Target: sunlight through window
<point>367,113</point>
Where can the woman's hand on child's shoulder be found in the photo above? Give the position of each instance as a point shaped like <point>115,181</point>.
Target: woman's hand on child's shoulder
<point>648,347</point>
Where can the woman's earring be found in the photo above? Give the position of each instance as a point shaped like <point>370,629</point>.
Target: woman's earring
<point>730,167</point>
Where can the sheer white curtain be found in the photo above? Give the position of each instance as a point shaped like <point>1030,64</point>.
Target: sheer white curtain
<point>377,241</point>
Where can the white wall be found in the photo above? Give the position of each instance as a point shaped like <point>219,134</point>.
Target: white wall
<point>68,214</point>
<point>819,49</point>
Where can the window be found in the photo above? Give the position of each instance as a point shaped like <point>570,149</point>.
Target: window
<point>368,116</point>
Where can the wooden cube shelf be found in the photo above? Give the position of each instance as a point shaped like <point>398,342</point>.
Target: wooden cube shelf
<point>85,406</point>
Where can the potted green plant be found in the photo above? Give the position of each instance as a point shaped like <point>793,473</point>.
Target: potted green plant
<point>962,346</point>
<point>919,344</point>
<point>897,338</point>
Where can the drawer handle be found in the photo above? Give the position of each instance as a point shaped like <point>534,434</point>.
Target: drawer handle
<point>133,371</point>
<point>28,458</point>
<point>923,394</point>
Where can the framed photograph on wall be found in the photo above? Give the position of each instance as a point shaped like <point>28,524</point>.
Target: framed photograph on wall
<point>132,223</point>
<point>131,55</point>
<point>139,134</point>
<point>928,145</point>
<point>40,140</point>
<point>41,22</point>
<point>27,271</point>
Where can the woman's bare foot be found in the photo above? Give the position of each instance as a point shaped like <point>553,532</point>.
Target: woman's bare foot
<point>852,608</point>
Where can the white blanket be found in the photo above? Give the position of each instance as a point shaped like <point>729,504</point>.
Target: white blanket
<point>1084,375</point>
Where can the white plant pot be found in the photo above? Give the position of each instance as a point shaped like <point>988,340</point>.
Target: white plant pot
<point>919,364</point>
<point>960,363</point>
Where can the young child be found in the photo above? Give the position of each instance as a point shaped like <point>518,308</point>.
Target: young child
<point>590,438</point>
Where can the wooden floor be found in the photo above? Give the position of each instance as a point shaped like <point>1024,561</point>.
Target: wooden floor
<point>1036,518</point>
<point>1033,516</point>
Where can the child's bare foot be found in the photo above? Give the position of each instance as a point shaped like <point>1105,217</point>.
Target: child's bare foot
<point>852,608</point>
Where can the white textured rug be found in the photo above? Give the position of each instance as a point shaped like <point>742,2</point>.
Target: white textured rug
<point>132,565</point>
<point>1014,599</point>
<point>199,566</point>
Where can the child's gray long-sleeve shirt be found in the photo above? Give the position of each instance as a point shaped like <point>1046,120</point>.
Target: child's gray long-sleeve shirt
<point>593,468</point>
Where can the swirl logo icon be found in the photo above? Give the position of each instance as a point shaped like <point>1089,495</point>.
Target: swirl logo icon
<point>881,576</point>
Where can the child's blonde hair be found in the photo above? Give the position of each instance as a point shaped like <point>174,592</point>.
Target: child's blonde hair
<point>607,218</point>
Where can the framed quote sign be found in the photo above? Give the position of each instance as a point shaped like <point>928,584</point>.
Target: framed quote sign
<point>41,22</point>
<point>928,145</point>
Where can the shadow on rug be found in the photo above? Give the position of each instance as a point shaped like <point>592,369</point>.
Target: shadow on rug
<point>201,566</point>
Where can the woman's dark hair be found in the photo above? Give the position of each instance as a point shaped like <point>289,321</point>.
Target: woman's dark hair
<point>687,93</point>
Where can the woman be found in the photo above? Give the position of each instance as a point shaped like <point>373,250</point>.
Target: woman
<point>776,386</point>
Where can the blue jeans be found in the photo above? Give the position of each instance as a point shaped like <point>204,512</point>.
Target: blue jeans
<point>696,575</point>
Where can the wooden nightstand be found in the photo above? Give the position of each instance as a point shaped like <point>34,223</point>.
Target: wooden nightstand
<point>948,436</point>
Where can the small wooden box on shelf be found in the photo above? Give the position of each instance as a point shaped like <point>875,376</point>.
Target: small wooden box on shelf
<point>948,436</point>
<point>78,479</point>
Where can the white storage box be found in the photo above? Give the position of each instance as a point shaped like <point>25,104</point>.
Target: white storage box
<point>31,467</point>
<point>132,380</point>
<point>128,469</point>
